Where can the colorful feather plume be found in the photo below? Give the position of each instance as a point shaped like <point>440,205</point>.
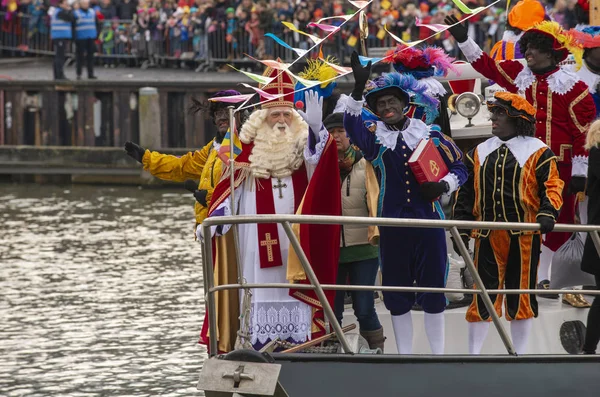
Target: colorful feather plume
<point>587,36</point>
<point>415,90</point>
<point>318,70</point>
<point>421,63</point>
<point>563,39</point>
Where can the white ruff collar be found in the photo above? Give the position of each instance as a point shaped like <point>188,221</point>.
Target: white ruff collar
<point>590,78</point>
<point>559,82</point>
<point>511,37</point>
<point>412,135</point>
<point>522,147</point>
<point>216,145</point>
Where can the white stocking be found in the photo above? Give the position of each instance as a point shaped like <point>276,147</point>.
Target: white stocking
<point>477,333</point>
<point>434,328</point>
<point>519,331</point>
<point>403,331</point>
<point>543,272</point>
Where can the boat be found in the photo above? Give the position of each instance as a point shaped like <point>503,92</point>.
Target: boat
<point>342,364</point>
<point>349,368</point>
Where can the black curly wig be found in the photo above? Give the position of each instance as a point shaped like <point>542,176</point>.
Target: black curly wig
<point>540,42</point>
<point>524,127</point>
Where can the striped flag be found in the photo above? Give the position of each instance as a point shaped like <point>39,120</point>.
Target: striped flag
<point>225,149</point>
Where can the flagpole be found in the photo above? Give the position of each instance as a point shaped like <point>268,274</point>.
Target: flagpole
<point>232,133</point>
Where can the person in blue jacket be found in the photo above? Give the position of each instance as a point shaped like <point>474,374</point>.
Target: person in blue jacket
<point>408,255</point>
<point>86,33</point>
<point>61,32</point>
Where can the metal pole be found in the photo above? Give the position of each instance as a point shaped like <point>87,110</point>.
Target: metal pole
<point>232,132</point>
<point>318,290</point>
<point>464,252</point>
<point>209,281</point>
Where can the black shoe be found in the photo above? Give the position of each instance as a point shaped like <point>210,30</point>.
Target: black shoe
<point>92,78</point>
<point>545,284</point>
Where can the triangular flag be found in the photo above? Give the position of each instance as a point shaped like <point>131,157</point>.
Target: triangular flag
<point>271,63</point>
<point>231,98</point>
<point>260,79</point>
<point>293,27</point>
<point>300,52</point>
<point>341,70</point>
<point>359,4</point>
<point>436,27</point>
<point>263,93</point>
<point>344,17</point>
<point>399,40</point>
<point>465,9</point>
<point>323,27</point>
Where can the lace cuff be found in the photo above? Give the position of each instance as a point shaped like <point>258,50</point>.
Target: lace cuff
<point>453,182</point>
<point>313,155</point>
<point>580,166</point>
<point>471,50</point>
<point>354,107</point>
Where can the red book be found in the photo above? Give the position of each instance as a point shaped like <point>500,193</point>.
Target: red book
<point>426,162</point>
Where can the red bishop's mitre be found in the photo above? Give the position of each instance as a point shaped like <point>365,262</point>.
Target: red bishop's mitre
<point>282,85</point>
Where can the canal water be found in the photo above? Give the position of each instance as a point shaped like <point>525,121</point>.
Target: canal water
<point>100,292</point>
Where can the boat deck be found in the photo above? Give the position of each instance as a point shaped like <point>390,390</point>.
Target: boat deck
<point>545,334</point>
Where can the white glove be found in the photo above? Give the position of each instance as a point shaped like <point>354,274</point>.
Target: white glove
<point>314,111</point>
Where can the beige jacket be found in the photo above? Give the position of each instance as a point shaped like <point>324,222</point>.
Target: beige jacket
<point>359,198</point>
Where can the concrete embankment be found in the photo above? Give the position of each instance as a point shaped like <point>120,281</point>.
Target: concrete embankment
<point>76,164</point>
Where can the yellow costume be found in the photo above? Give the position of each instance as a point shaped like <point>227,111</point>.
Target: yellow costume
<point>203,165</point>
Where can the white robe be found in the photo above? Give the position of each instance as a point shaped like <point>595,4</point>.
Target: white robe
<point>274,314</point>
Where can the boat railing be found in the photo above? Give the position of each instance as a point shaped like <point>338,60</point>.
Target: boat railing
<point>452,225</point>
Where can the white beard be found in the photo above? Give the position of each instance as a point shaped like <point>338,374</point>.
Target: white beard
<point>276,154</point>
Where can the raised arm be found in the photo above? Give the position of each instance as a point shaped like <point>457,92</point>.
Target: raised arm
<point>169,167</point>
<point>504,73</point>
<point>317,133</point>
<point>354,124</point>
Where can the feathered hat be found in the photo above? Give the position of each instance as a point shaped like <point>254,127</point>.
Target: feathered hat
<point>587,36</point>
<point>316,70</point>
<point>514,105</point>
<point>421,63</point>
<point>526,13</point>
<point>404,86</point>
<point>283,84</point>
<point>563,41</point>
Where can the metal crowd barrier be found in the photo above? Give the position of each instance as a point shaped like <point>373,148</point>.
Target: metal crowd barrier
<point>133,45</point>
<point>454,226</point>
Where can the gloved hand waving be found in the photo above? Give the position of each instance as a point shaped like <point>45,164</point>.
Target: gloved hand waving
<point>361,76</point>
<point>135,151</point>
<point>458,31</point>
<point>314,111</point>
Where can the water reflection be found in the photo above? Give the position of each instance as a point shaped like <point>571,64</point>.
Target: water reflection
<point>100,292</point>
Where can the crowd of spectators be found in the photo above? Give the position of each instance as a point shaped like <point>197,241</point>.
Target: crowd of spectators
<point>229,29</point>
